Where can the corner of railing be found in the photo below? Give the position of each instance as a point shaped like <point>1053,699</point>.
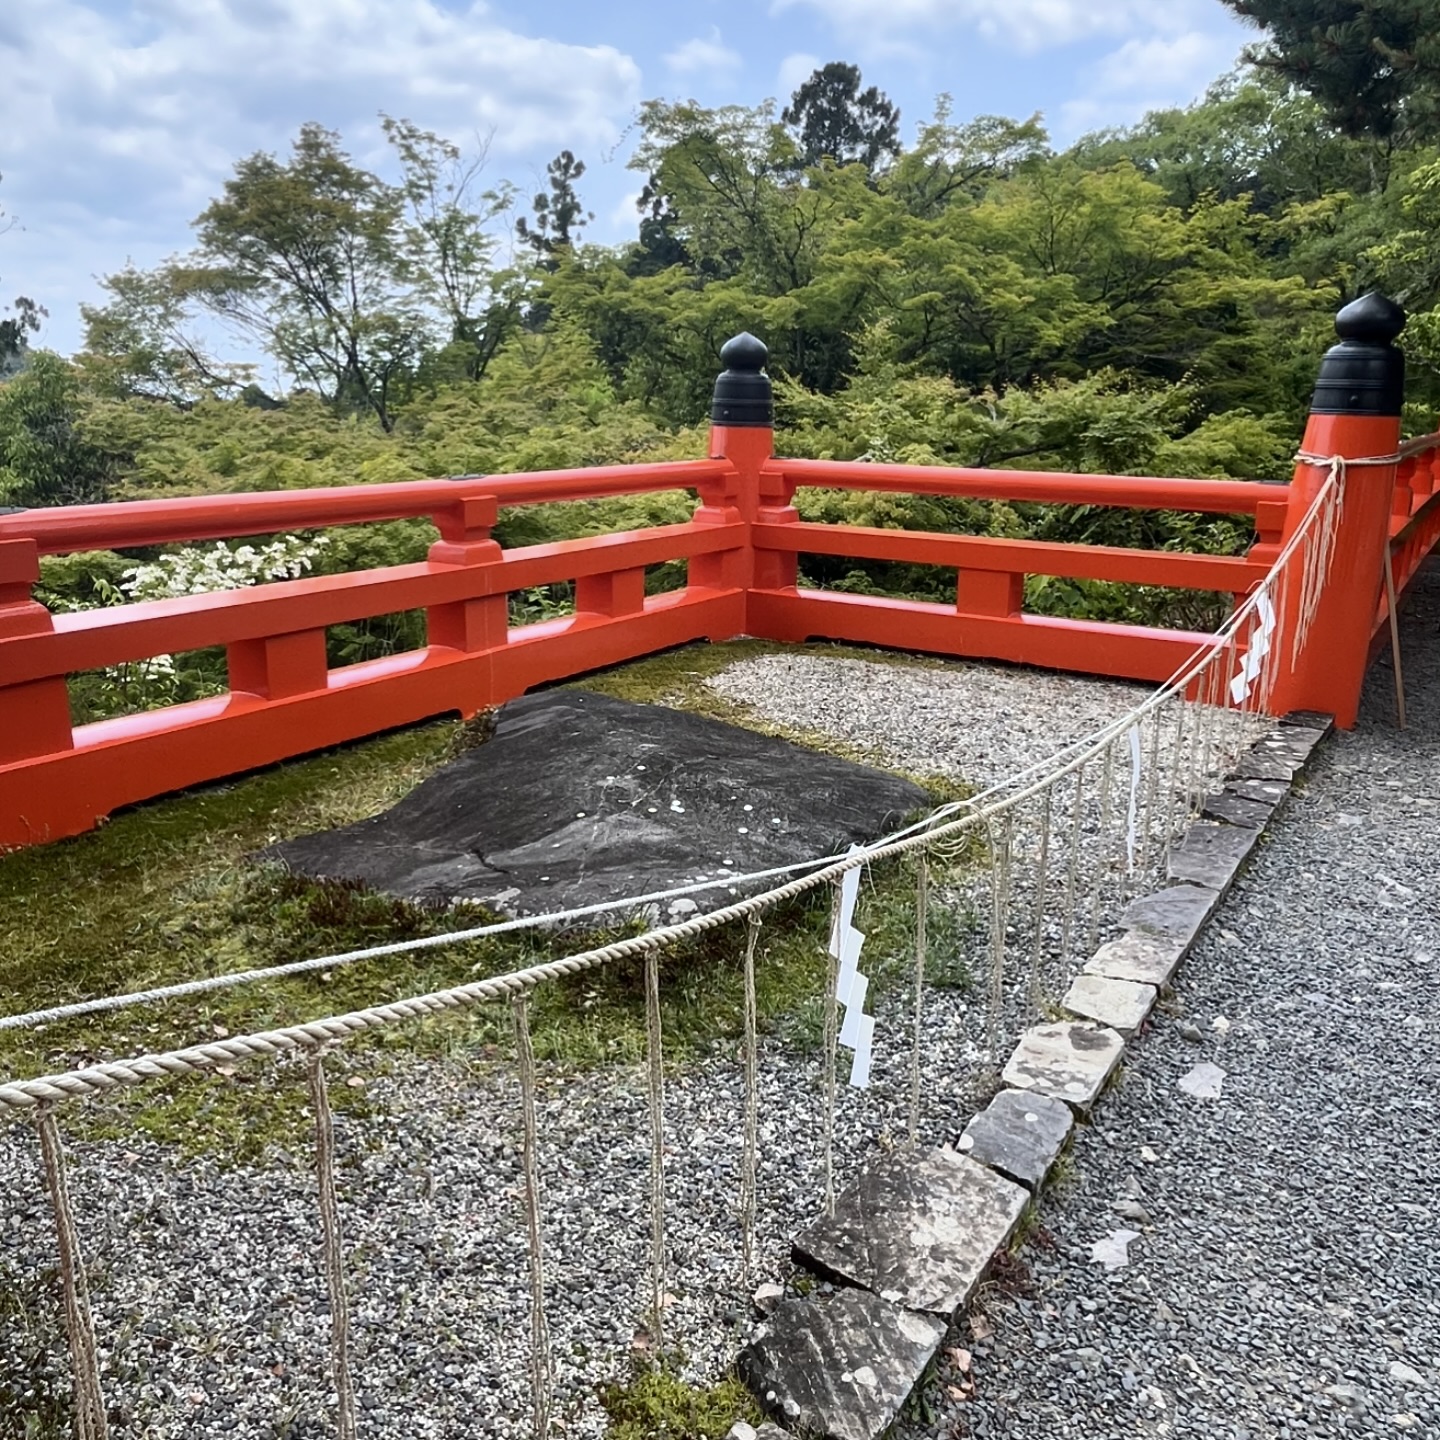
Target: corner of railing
<point>37,712</point>
<point>1352,435</point>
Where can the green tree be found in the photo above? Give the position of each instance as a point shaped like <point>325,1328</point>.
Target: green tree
<point>142,342</point>
<point>451,246</point>
<point>16,328</point>
<point>1373,64</point>
<point>46,457</point>
<point>309,259</point>
<point>559,214</point>
<point>833,119</point>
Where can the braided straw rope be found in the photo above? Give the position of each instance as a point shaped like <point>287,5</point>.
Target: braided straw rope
<point>945,824</point>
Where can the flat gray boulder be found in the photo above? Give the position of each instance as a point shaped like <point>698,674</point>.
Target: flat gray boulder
<point>838,1366</point>
<point>578,798</point>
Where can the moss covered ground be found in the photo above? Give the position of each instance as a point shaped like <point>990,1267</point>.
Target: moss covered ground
<point>165,892</point>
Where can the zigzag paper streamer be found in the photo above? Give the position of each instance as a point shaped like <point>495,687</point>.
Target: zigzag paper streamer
<point>851,987</point>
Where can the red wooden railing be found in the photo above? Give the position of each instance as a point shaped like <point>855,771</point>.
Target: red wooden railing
<point>741,546</point>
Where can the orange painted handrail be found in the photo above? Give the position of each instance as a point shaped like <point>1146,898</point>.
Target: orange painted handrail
<point>70,528</point>
<point>741,548</point>
<point>1176,569</point>
<point>1220,497</point>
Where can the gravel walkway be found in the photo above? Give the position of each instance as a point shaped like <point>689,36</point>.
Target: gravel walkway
<point>1285,1280</point>
<point>207,1285</point>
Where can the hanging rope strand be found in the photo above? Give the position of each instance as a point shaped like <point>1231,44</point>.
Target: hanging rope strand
<point>750,1156</point>
<point>334,1249</point>
<point>541,1382</point>
<point>1102,848</point>
<point>1042,878</point>
<point>1072,864</point>
<point>922,909</point>
<point>88,1399</point>
<point>656,1074</point>
<point>831,1037</point>
<point>999,923</point>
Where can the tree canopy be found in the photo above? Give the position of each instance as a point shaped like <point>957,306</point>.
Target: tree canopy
<point>1373,64</point>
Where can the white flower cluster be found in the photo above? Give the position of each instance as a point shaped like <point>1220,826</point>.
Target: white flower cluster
<point>198,570</point>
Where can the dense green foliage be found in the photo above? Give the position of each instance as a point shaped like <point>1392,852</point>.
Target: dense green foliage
<point>1150,300</point>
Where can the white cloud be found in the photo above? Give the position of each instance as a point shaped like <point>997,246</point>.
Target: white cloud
<point>794,71</point>
<point>120,126</point>
<point>1027,25</point>
<point>1185,62</point>
<point>623,216</point>
<point>707,55</point>
<point>1143,75</point>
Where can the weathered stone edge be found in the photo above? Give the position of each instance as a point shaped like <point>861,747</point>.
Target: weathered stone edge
<point>1296,738</point>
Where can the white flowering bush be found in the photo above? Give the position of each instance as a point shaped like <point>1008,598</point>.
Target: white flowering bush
<point>192,570</point>
<point>197,570</point>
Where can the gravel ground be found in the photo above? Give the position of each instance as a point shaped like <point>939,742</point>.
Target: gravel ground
<point>1284,1281</point>
<point>207,1285</point>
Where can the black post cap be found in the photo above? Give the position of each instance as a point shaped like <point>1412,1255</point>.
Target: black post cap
<point>1365,373</point>
<point>742,389</point>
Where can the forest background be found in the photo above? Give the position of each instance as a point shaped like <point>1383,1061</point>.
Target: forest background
<point>1151,300</point>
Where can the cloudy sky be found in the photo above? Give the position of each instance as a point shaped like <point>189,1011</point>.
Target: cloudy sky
<point>120,119</point>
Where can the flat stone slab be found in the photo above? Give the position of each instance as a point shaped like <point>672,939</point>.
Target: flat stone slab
<point>1145,959</point>
<point>1211,853</point>
<point>1309,720</point>
<point>1068,1061</point>
<point>1236,809</point>
<point>1177,913</point>
<point>838,1366</point>
<point>916,1229</point>
<point>1020,1135</point>
<point>1121,1004</point>
<point>579,798</point>
<point>1265,792</point>
<point>1260,765</point>
<point>1292,743</point>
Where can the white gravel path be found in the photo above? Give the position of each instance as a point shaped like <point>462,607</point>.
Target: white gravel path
<point>207,1283</point>
<point>1286,1280</point>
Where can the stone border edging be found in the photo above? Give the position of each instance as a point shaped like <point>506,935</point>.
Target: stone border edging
<point>914,1234</point>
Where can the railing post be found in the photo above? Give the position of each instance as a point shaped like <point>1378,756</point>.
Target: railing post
<point>36,712</point>
<point>742,421</point>
<point>481,623</point>
<point>1355,414</point>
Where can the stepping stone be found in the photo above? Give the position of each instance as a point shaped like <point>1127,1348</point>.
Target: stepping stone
<point>1020,1135</point>
<point>1238,810</point>
<point>917,1230</point>
<point>1178,913</point>
<point>1120,1004</point>
<point>838,1366</point>
<point>1264,792</point>
<point>1308,720</point>
<point>1145,959</point>
<point>1069,1061</point>
<point>1211,855</point>
<point>1257,765</point>
<point>1295,743</point>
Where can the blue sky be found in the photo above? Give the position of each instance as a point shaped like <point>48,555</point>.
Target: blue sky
<point>119,121</point>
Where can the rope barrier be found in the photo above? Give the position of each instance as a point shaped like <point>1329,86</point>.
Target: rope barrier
<point>1198,692</point>
<point>962,816</point>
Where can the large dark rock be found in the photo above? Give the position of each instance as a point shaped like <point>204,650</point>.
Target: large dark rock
<point>578,798</point>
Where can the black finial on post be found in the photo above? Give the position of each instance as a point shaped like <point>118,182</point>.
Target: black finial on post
<point>1364,374</point>
<point>742,389</point>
